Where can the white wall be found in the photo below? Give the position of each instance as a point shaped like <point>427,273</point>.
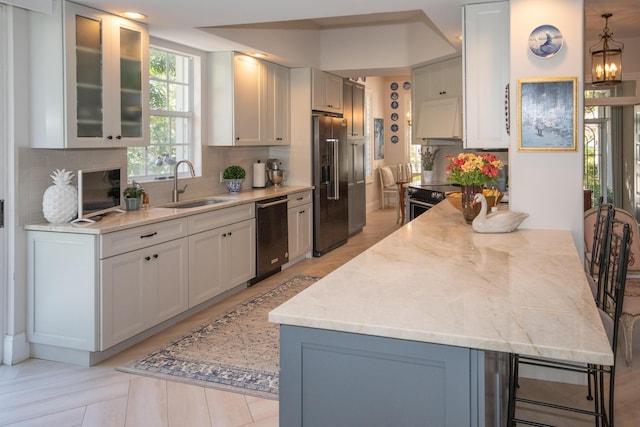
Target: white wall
<point>547,185</point>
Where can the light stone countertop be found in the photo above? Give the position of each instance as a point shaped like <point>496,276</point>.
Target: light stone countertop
<point>121,221</point>
<point>435,280</point>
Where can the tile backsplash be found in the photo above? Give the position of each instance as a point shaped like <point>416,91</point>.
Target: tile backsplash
<point>36,166</point>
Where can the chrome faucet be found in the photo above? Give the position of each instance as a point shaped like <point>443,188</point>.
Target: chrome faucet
<point>176,192</point>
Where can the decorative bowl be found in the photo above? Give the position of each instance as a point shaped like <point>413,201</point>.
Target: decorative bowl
<point>455,198</point>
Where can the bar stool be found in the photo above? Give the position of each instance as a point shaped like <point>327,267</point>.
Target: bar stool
<point>611,283</point>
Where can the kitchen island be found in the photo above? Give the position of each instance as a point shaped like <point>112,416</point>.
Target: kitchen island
<point>415,330</point>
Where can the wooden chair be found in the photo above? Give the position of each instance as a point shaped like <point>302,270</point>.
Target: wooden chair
<point>387,184</point>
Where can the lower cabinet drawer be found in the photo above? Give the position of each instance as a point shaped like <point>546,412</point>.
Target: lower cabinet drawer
<point>132,239</point>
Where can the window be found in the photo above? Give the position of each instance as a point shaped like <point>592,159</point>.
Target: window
<point>597,154</point>
<point>172,88</point>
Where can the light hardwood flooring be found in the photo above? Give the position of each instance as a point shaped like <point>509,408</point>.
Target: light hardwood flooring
<point>43,393</point>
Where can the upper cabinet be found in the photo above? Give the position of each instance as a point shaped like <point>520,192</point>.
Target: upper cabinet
<point>440,80</point>
<point>486,71</point>
<point>90,79</point>
<point>327,92</point>
<point>353,96</point>
<point>436,97</point>
<point>278,109</point>
<point>249,100</point>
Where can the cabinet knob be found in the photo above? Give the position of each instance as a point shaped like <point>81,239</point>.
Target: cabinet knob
<point>301,212</point>
<point>147,258</point>
<point>155,256</point>
<point>110,137</point>
<point>224,235</point>
<point>229,233</point>
<point>119,137</point>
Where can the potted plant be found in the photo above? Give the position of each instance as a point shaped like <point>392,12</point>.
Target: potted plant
<point>428,157</point>
<point>133,196</point>
<point>234,177</point>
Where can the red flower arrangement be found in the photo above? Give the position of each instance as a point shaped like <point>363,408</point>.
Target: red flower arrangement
<point>473,169</point>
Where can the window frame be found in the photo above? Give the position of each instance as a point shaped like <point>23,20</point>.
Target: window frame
<point>195,90</point>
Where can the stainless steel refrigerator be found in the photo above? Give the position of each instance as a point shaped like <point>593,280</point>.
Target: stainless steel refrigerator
<point>330,179</point>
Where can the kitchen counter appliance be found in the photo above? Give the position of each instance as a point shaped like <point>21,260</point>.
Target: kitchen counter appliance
<point>272,237</point>
<point>422,197</point>
<point>275,173</point>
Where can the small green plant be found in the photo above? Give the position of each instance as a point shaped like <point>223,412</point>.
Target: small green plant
<point>133,191</point>
<point>234,172</point>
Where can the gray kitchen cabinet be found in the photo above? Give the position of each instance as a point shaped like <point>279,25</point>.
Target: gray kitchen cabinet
<point>326,92</point>
<point>299,218</point>
<point>330,378</point>
<point>249,101</point>
<point>90,79</point>
<point>486,61</point>
<point>353,106</point>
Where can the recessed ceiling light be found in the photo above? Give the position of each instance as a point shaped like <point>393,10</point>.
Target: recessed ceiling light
<point>133,15</point>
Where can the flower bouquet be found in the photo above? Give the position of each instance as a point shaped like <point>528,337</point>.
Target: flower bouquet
<point>472,172</point>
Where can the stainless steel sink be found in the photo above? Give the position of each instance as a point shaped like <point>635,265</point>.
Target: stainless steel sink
<point>195,203</point>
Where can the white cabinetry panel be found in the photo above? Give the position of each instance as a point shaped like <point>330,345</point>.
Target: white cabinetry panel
<point>486,64</point>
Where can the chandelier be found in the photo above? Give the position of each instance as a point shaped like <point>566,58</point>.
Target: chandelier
<point>606,58</point>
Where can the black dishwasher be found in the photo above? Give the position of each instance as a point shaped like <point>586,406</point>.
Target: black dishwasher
<point>272,237</point>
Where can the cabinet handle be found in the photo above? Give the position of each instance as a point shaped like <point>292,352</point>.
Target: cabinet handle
<point>224,235</point>
<point>444,92</point>
<point>155,256</point>
<point>301,212</point>
<point>110,137</point>
<point>148,235</point>
<point>119,137</point>
<point>507,110</point>
<point>229,233</point>
<point>147,258</point>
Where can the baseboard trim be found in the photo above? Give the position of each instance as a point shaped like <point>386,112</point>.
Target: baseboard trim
<point>16,349</point>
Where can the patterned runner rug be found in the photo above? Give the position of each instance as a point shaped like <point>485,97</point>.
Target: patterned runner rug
<point>239,351</point>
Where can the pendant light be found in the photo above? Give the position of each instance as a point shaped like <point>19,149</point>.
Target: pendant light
<point>606,58</point>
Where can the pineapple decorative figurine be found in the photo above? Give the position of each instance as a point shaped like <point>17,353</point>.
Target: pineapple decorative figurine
<point>60,201</point>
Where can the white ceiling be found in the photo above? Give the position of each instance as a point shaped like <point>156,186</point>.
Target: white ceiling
<point>199,23</point>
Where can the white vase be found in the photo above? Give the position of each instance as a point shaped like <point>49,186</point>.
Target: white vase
<point>427,176</point>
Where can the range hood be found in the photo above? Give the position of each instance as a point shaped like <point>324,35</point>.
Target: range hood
<point>440,120</point>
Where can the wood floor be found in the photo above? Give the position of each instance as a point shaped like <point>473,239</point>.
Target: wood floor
<point>42,393</point>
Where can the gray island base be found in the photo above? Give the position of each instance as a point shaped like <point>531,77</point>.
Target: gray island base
<point>414,331</point>
<point>331,378</point>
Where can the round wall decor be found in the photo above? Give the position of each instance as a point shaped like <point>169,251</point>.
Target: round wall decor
<point>545,41</point>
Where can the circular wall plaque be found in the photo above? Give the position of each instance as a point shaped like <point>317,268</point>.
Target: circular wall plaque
<point>545,41</point>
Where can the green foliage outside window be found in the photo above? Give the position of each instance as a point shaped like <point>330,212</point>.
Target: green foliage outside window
<point>170,116</point>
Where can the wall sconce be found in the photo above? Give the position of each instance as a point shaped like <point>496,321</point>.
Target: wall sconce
<point>606,58</point>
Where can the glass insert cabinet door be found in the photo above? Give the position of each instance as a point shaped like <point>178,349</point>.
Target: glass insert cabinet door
<point>107,75</point>
<point>89,77</point>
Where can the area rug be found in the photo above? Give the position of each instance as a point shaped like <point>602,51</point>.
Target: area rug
<point>238,351</point>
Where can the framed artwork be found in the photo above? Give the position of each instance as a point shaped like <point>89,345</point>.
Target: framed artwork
<point>378,139</point>
<point>547,114</point>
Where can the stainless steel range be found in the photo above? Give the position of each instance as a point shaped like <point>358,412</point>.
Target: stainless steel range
<point>422,197</point>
